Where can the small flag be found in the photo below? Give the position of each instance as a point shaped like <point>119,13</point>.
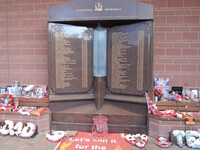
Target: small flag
<point>162,84</point>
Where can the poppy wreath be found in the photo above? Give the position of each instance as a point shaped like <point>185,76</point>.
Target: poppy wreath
<point>163,142</point>
<point>55,136</point>
<point>139,140</point>
<point>6,99</point>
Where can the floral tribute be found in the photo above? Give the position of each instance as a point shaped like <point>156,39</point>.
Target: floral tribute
<point>157,92</point>
<point>179,134</point>
<point>55,136</point>
<point>6,127</point>
<point>192,138</point>
<point>6,100</point>
<point>28,130</point>
<point>163,142</point>
<point>139,140</point>
<point>19,129</point>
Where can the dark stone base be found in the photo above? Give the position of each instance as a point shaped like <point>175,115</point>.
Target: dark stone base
<point>122,116</point>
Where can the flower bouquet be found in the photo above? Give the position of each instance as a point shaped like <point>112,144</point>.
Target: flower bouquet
<point>158,93</point>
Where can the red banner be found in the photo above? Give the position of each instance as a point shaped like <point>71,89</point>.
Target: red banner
<point>84,141</point>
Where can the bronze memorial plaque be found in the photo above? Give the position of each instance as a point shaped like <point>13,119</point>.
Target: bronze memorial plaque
<point>71,58</point>
<point>128,58</point>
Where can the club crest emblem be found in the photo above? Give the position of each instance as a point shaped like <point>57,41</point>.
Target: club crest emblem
<point>98,6</point>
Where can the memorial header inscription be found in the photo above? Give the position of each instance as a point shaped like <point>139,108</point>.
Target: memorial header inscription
<point>82,10</point>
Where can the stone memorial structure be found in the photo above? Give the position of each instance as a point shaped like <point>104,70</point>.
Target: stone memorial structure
<point>100,62</point>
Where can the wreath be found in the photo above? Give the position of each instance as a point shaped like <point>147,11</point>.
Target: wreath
<point>6,99</point>
<point>28,130</point>
<point>55,136</point>
<point>17,129</point>
<point>6,127</point>
<point>163,142</point>
<point>139,140</point>
<point>192,139</point>
<point>179,134</point>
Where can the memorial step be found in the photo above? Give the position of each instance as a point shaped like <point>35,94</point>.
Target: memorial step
<point>121,118</point>
<point>87,127</point>
<point>112,119</point>
<point>108,108</point>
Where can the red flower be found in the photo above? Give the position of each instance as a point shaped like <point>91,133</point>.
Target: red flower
<point>28,129</point>
<point>3,124</point>
<point>51,132</point>
<point>14,130</point>
<point>7,127</point>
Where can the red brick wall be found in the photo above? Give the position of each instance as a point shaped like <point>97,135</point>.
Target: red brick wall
<point>23,41</point>
<point>177,41</point>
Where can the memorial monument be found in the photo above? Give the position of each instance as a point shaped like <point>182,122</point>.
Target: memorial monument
<point>100,55</point>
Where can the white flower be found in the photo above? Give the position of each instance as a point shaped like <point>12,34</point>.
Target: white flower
<point>179,134</point>
<point>133,139</point>
<point>55,136</point>
<point>28,130</point>
<point>17,129</point>
<point>193,139</point>
<point>5,130</point>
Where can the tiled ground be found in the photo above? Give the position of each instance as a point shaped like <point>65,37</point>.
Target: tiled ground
<point>40,143</point>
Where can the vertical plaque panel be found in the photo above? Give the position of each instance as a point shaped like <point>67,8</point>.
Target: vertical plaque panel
<point>140,60</point>
<point>128,58</point>
<point>70,58</point>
